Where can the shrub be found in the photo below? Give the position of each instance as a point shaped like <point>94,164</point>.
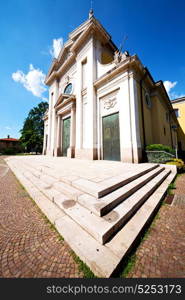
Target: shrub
<point>9,151</point>
<point>177,162</point>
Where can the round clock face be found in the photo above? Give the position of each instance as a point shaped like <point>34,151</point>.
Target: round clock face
<point>68,89</point>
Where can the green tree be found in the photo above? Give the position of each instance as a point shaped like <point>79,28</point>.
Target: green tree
<point>33,129</point>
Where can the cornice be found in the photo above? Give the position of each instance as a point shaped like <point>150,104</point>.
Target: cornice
<point>123,66</point>
<point>51,78</point>
<point>67,108</point>
<point>178,100</point>
<point>78,30</point>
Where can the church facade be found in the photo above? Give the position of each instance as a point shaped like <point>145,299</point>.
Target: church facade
<point>104,104</point>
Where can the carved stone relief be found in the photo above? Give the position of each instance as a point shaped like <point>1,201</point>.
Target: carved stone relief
<point>110,102</point>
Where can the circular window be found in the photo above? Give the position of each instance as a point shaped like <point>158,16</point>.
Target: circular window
<point>68,89</point>
<point>148,100</point>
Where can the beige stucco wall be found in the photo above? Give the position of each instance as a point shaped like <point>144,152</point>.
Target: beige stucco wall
<point>155,119</point>
<point>181,118</point>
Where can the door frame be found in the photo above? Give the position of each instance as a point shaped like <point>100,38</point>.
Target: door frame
<point>101,132</point>
<point>62,122</point>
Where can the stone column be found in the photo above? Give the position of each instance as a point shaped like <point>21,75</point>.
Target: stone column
<point>44,143</point>
<point>71,149</point>
<point>53,124</point>
<point>58,150</point>
<point>134,116</point>
<point>130,139</point>
<point>78,146</point>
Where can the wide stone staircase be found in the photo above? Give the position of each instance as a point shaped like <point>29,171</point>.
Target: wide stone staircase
<point>99,220</point>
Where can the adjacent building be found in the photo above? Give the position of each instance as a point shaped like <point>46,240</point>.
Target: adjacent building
<point>179,107</point>
<point>104,104</point>
<point>9,143</point>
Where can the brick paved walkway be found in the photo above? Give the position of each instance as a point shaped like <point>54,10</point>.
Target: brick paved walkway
<point>161,254</point>
<point>28,246</point>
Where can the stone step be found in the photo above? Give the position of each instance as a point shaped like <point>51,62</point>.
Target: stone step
<point>52,190</point>
<point>122,242</point>
<point>50,184</point>
<point>51,211</point>
<point>53,187</point>
<point>50,170</point>
<point>124,211</point>
<point>104,204</point>
<point>102,259</point>
<point>40,171</point>
<point>55,191</point>
<point>111,184</point>
<point>48,174</point>
<point>102,228</point>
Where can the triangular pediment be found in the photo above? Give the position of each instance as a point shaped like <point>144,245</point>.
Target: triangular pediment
<point>63,98</point>
<point>76,38</point>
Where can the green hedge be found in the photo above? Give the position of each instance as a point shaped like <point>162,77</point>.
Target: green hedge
<point>11,150</point>
<point>160,147</point>
<point>158,153</point>
<point>158,156</point>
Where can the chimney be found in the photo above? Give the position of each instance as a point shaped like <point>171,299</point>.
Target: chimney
<point>8,136</point>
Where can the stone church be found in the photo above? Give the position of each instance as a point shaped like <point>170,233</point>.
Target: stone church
<point>104,104</point>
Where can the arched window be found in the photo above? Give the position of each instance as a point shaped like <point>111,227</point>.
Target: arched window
<point>68,89</point>
<point>148,100</point>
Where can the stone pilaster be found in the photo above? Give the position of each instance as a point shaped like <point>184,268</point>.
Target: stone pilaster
<point>58,136</point>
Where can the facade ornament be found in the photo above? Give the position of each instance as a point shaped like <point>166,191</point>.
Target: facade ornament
<point>67,79</point>
<point>120,56</point>
<point>117,57</point>
<point>110,103</point>
<point>91,13</point>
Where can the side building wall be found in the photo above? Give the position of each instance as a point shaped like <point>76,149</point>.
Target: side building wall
<point>156,118</point>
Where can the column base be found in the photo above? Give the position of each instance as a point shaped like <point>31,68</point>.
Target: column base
<point>58,152</point>
<point>91,154</point>
<point>130,155</point>
<point>71,152</point>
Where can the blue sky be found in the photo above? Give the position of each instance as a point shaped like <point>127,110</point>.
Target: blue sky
<point>155,31</point>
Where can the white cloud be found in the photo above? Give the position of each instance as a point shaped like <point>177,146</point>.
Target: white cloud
<point>8,128</point>
<point>33,81</point>
<point>169,85</point>
<point>174,95</point>
<point>56,47</point>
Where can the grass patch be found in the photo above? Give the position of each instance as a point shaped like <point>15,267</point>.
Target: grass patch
<point>46,220</point>
<point>22,186</point>
<point>130,260</point>
<point>129,264</point>
<point>170,188</point>
<point>146,234</point>
<point>51,226</point>
<point>83,267</point>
